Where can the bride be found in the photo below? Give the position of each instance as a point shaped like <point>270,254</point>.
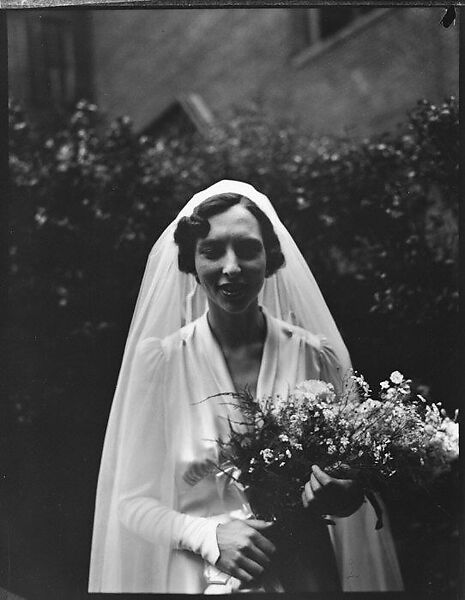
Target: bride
<point>227,301</point>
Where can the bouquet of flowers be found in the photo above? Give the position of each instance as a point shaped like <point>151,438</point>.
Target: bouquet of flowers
<point>396,436</point>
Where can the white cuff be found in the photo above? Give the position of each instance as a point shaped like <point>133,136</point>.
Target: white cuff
<point>199,535</point>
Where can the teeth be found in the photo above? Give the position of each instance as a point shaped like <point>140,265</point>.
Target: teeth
<point>231,290</point>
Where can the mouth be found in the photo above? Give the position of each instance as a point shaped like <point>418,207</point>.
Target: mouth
<point>232,290</point>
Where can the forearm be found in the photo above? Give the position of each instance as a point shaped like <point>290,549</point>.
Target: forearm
<point>156,523</point>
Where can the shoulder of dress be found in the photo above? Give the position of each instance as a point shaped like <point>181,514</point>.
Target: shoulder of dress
<point>179,338</point>
<point>154,348</point>
<point>149,353</point>
<point>298,334</point>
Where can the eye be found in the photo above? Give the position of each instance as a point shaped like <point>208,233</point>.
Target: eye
<point>210,250</point>
<point>248,249</point>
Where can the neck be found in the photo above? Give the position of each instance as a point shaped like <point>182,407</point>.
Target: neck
<point>237,329</point>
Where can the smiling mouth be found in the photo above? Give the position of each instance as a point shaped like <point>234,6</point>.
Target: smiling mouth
<point>232,290</point>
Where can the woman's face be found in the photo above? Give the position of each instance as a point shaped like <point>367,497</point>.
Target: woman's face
<point>231,261</point>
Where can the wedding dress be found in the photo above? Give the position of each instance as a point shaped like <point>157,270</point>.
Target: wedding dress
<point>159,499</point>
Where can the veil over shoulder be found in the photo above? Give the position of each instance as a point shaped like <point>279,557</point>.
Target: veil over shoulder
<point>146,421</point>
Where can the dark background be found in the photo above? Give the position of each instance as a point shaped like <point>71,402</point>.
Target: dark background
<point>331,113</point>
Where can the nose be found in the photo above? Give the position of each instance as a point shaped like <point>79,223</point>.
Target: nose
<point>231,266</point>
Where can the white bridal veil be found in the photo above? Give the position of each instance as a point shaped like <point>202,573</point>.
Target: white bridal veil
<point>168,300</point>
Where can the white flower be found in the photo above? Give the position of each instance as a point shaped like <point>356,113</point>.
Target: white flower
<point>313,389</point>
<point>396,377</point>
<point>331,449</point>
<point>267,455</point>
<point>391,393</point>
<point>296,445</point>
<point>384,385</point>
<point>450,431</point>
<point>65,152</point>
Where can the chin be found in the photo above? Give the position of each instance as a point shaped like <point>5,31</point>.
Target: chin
<point>237,307</point>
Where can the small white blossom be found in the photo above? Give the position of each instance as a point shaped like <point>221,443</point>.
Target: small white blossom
<point>267,455</point>
<point>396,377</point>
<point>390,394</point>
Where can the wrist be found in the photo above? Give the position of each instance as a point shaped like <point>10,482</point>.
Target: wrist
<point>199,536</point>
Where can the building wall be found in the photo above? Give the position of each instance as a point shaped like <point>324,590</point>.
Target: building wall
<point>363,83</point>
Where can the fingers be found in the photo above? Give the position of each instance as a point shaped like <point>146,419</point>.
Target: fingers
<point>339,496</point>
<point>322,477</point>
<point>308,493</point>
<point>346,472</point>
<point>259,525</point>
<point>242,575</point>
<point>260,557</point>
<point>264,545</point>
<point>244,551</point>
<point>249,566</point>
<point>261,542</point>
<point>314,489</point>
<point>304,499</point>
<point>315,484</point>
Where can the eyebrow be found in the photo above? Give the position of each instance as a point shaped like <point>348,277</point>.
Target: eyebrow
<point>205,243</point>
<point>240,238</point>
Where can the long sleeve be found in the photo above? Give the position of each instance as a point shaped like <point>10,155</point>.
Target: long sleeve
<point>154,522</point>
<point>140,508</point>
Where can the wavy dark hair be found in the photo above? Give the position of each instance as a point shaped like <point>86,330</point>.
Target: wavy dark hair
<point>190,229</point>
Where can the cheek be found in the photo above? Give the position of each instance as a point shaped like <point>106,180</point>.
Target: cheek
<point>205,270</point>
<point>198,264</point>
<point>257,271</point>
<point>261,264</point>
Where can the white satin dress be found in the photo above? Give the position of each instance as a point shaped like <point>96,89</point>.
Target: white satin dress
<point>169,525</point>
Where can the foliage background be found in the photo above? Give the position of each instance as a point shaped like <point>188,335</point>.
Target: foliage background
<point>376,219</point>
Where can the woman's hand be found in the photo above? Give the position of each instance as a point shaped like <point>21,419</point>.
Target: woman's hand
<point>244,551</point>
<point>330,495</point>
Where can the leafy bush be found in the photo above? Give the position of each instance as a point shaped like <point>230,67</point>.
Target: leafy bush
<point>376,219</point>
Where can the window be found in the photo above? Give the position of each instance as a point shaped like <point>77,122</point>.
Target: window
<point>331,20</point>
<point>312,26</point>
<point>58,62</point>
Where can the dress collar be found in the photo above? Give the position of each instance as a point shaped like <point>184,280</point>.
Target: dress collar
<point>216,362</point>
